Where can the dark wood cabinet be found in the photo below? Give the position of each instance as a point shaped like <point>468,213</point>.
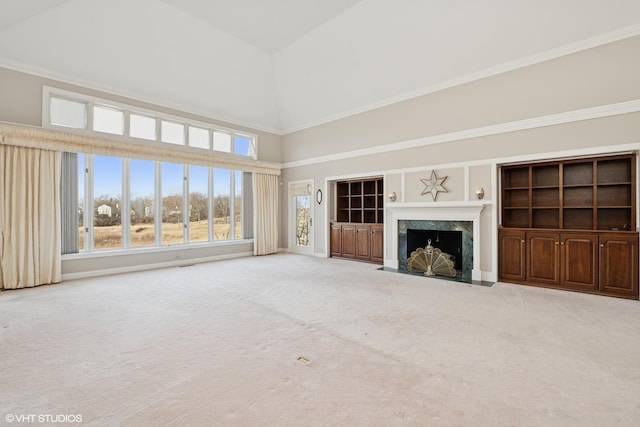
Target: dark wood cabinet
<point>377,244</point>
<point>571,224</point>
<point>543,258</point>
<point>348,241</point>
<point>359,241</point>
<point>335,237</point>
<point>579,261</point>
<point>512,260</point>
<point>357,231</point>
<point>619,264</point>
<point>601,263</point>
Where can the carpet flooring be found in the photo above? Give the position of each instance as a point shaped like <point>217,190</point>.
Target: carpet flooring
<point>288,340</point>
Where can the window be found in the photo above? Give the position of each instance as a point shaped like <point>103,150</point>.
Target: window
<point>243,145</point>
<point>70,114</point>
<point>156,205</point>
<point>221,141</point>
<point>172,189</point>
<point>62,108</point>
<point>172,133</point>
<point>142,202</point>
<point>142,127</point>
<point>221,204</point>
<point>107,189</point>
<point>198,204</point>
<point>108,120</point>
<point>198,137</point>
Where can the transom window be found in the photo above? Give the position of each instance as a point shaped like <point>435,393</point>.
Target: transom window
<point>71,110</point>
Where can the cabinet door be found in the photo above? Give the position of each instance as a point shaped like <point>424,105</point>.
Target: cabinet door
<point>619,264</point>
<point>511,265</point>
<point>336,239</point>
<point>579,256</point>
<point>363,242</point>
<point>377,244</point>
<point>349,241</point>
<point>543,258</point>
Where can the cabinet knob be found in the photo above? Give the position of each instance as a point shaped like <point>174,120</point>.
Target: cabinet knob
<point>521,241</point>
<point>556,243</point>
<point>602,245</point>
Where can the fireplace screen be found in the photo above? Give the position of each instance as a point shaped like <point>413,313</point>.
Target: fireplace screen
<point>432,262</point>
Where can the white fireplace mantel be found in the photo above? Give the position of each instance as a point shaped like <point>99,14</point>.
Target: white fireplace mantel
<point>436,211</point>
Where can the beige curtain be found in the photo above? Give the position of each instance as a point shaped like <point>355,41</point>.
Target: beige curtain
<point>265,219</point>
<point>29,217</point>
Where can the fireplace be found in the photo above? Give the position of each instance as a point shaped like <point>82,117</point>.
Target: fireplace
<point>429,218</point>
<point>452,237</point>
<point>449,242</point>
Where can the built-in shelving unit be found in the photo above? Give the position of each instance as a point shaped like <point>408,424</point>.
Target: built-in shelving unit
<point>571,224</point>
<point>357,231</point>
<point>585,194</point>
<point>360,201</point>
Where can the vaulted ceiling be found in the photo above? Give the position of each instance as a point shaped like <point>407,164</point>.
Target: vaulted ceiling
<point>282,65</point>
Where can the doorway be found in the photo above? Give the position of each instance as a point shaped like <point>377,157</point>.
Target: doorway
<point>301,217</point>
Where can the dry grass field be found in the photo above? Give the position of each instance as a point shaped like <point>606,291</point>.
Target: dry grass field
<point>110,237</point>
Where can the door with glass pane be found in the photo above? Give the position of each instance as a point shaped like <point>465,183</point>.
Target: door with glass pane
<point>301,217</point>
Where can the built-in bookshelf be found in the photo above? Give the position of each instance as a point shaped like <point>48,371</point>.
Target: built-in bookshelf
<point>580,194</point>
<point>360,201</point>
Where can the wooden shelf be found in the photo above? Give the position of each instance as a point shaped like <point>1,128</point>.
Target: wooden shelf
<point>571,225</point>
<point>360,201</point>
<point>603,187</point>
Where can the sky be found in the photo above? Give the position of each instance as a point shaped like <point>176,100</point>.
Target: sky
<point>107,175</point>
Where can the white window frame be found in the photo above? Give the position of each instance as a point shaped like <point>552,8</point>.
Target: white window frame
<point>48,92</point>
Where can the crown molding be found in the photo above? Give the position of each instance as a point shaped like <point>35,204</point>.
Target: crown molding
<point>518,125</point>
<point>555,53</point>
<point>110,90</point>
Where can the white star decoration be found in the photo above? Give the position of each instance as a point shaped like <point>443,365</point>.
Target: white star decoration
<point>433,185</point>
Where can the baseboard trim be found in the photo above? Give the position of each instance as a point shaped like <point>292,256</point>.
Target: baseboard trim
<point>154,266</point>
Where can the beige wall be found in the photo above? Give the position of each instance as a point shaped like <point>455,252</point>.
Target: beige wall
<point>21,102</point>
<point>603,75</point>
<point>594,78</point>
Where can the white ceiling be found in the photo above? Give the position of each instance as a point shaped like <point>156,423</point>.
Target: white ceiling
<point>282,65</point>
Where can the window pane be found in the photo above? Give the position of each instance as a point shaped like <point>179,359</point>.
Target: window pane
<point>221,141</point>
<point>198,204</point>
<point>237,207</point>
<point>142,192</point>
<point>198,137</point>
<point>243,145</point>
<point>221,203</point>
<point>81,174</point>
<point>142,127</point>
<point>67,113</point>
<point>303,221</point>
<point>107,187</point>
<point>172,225</point>
<point>108,120</point>
<point>172,133</point>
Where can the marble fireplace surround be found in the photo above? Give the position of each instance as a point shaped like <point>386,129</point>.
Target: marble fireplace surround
<point>446,211</point>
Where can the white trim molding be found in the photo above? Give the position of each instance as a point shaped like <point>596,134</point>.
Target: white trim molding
<point>559,52</point>
<point>513,126</point>
<point>450,211</point>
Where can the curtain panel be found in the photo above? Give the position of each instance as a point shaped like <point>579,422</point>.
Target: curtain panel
<point>265,219</point>
<point>30,240</point>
